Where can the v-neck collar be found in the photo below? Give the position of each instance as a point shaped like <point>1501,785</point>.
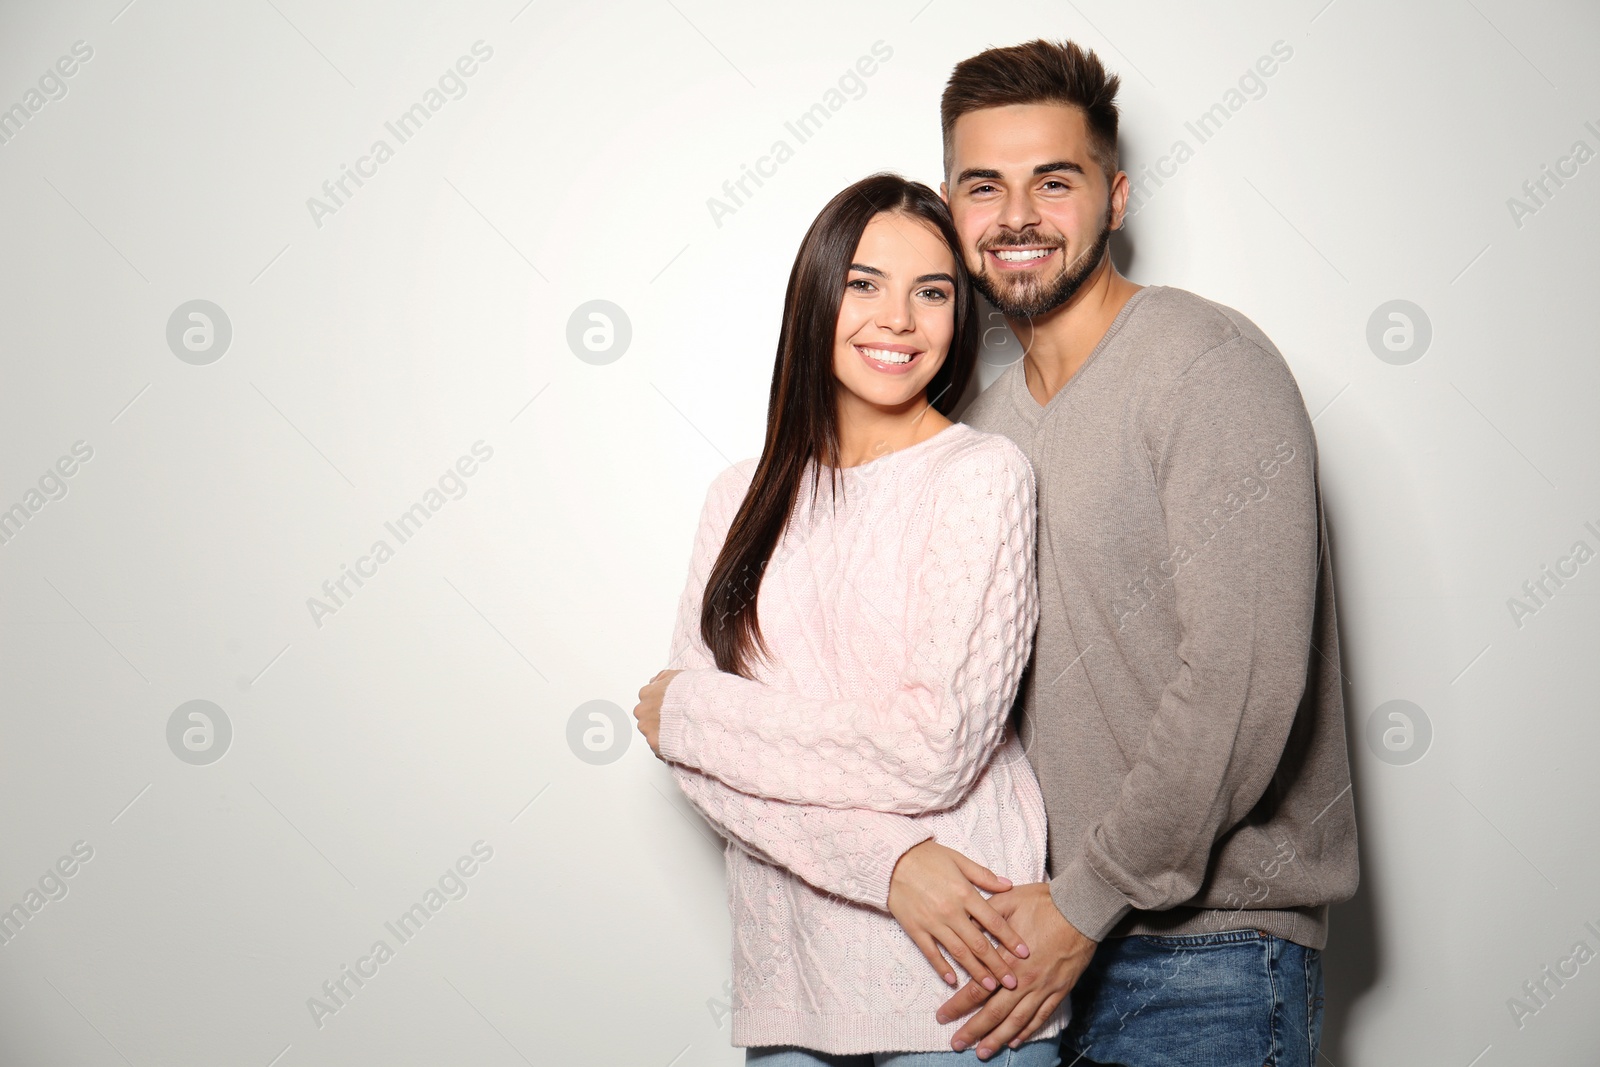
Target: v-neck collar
<point>1023,397</point>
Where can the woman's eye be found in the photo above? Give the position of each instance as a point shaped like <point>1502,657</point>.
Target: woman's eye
<point>935,295</point>
<point>861,285</point>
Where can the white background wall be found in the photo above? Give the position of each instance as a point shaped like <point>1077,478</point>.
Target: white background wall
<point>373,346</point>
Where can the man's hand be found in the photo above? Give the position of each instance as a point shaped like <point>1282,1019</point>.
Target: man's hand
<point>1058,958</point>
<point>932,896</point>
<point>648,711</point>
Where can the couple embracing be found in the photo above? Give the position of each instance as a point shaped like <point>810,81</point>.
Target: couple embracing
<point>1025,730</point>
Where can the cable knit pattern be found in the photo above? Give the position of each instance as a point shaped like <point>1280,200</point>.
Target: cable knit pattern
<point>899,621</point>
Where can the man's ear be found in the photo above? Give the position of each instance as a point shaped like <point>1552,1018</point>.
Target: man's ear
<point>944,193</point>
<point>1119,198</point>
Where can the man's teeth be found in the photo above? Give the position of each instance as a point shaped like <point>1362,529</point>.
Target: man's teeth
<point>1023,255</point>
<point>883,355</point>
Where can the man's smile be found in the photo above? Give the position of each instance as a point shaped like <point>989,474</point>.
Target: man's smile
<point>1011,259</point>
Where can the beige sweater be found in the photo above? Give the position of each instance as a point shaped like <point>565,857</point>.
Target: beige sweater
<point>1183,708</point>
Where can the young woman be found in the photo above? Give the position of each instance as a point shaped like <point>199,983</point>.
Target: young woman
<point>849,659</point>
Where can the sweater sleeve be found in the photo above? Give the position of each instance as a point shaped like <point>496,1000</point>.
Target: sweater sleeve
<point>921,746</point>
<point>1235,469</point>
<point>849,853</point>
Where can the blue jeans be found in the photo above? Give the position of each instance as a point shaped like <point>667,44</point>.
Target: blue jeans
<point>1028,1054</point>
<point>1236,999</point>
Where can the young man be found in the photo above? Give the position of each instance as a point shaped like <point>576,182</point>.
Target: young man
<point>1183,708</point>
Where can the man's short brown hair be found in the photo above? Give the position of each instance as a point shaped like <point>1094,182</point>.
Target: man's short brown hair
<point>1038,72</point>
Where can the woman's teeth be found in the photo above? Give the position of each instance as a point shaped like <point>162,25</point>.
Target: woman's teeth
<point>1022,255</point>
<point>883,355</point>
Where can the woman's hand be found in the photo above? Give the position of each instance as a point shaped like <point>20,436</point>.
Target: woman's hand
<point>648,711</point>
<point>932,896</point>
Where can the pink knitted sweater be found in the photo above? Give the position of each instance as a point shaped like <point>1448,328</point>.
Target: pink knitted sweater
<point>899,623</point>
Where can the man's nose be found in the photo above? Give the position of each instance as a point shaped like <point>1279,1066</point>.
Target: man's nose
<point>1019,212</point>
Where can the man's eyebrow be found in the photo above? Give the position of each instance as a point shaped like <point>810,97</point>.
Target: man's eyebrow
<point>976,172</point>
<point>985,174</point>
<point>864,269</point>
<point>940,277</point>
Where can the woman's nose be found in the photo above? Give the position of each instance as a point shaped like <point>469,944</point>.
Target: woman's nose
<point>896,316</point>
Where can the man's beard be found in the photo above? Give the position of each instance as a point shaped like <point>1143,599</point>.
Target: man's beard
<point>1033,298</point>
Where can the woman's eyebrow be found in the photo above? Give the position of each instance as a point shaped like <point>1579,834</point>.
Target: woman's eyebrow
<point>935,278</point>
<point>864,269</point>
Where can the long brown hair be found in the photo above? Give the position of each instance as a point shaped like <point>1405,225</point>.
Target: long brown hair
<point>802,409</point>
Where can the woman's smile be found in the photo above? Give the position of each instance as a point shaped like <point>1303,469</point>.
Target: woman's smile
<point>888,358</point>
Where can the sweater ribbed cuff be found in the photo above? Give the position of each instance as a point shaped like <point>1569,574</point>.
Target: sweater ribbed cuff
<point>875,871</point>
<point>675,704</point>
<point>1088,901</point>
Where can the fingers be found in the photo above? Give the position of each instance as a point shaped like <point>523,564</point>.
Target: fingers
<point>978,1029</point>
<point>987,955</point>
<point>1011,1025</point>
<point>981,876</point>
<point>1040,1017</point>
<point>996,924</point>
<point>930,950</point>
<point>965,953</point>
<point>967,998</point>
